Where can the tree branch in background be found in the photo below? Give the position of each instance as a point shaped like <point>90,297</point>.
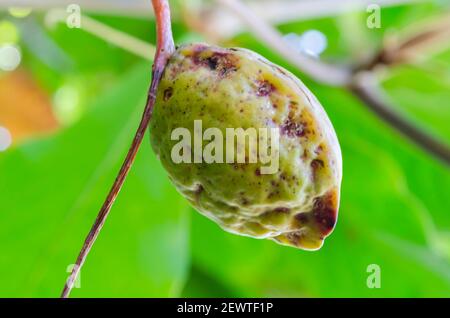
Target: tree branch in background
<point>106,33</point>
<point>353,79</point>
<point>423,40</point>
<point>366,88</point>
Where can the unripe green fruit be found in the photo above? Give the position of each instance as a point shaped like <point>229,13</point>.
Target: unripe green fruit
<point>236,88</point>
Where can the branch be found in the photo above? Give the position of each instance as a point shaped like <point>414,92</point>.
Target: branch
<point>366,88</point>
<point>106,33</point>
<point>165,49</point>
<point>424,39</point>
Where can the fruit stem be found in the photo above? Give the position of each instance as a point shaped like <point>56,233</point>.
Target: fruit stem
<point>165,49</point>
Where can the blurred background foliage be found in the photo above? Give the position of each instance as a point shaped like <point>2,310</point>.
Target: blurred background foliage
<point>71,108</point>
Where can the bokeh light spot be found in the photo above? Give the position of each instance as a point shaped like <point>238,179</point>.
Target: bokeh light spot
<point>18,12</point>
<point>10,57</point>
<point>5,139</point>
<point>313,42</point>
<point>66,104</point>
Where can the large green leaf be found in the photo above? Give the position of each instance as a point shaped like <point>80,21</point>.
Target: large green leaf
<point>51,190</point>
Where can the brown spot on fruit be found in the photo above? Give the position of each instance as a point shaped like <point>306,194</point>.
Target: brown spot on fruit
<point>199,190</point>
<point>282,210</point>
<point>265,88</point>
<point>293,107</point>
<point>292,129</point>
<point>302,218</point>
<point>168,94</point>
<point>316,165</point>
<point>325,212</point>
<point>212,62</point>
<point>319,149</point>
<point>294,238</point>
<point>222,62</point>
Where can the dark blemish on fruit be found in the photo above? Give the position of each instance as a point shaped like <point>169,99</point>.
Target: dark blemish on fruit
<point>282,210</point>
<point>305,154</point>
<point>198,192</point>
<point>293,106</point>
<point>222,62</point>
<point>212,63</point>
<point>319,149</point>
<point>199,189</point>
<point>258,172</point>
<point>273,194</point>
<point>302,218</point>
<point>324,212</point>
<point>168,93</point>
<point>316,165</point>
<point>244,201</point>
<point>292,129</point>
<point>227,65</point>
<point>265,88</point>
<point>294,237</point>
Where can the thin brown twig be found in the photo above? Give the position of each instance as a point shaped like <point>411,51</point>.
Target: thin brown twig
<point>426,39</point>
<point>165,49</point>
